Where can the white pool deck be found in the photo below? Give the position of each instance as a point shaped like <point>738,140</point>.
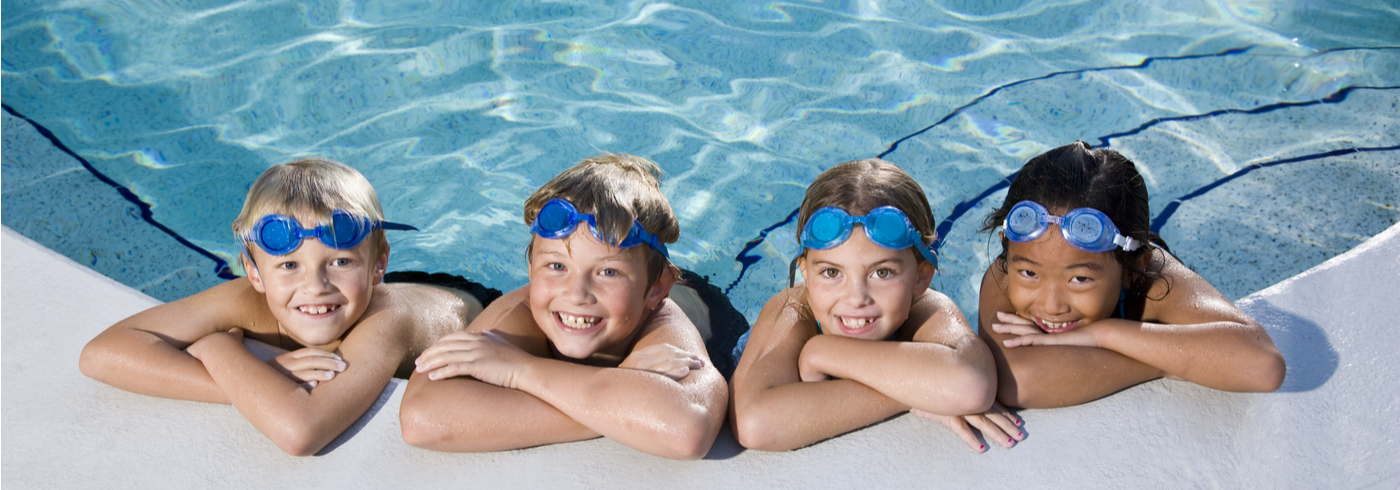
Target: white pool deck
<point>1335,423</point>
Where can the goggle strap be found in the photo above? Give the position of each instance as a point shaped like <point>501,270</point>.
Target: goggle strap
<point>389,225</point>
<point>1128,243</point>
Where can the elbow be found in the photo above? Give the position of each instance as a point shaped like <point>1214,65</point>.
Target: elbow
<point>94,361</point>
<point>420,430</point>
<point>690,442</point>
<point>298,440</point>
<point>972,392</point>
<point>756,431</point>
<point>1268,373</point>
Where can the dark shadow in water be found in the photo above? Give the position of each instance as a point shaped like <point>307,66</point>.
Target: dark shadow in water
<point>726,323</point>
<point>360,424</point>
<point>1310,356</point>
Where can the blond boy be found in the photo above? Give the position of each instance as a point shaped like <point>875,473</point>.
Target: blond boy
<point>315,253</point>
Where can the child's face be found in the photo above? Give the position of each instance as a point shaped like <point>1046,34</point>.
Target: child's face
<point>1060,287</point>
<point>588,297</point>
<point>861,290</point>
<point>317,293</point>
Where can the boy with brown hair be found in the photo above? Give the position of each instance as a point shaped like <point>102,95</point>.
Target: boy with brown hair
<point>591,347</point>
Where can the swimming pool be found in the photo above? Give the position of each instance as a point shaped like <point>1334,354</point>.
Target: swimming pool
<point>1267,130</point>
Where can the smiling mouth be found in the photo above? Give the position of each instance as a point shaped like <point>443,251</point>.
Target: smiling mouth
<point>856,325</point>
<point>1056,327</point>
<point>318,309</point>
<point>578,323</point>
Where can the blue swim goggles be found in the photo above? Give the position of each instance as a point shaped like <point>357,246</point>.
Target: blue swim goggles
<point>885,226</point>
<point>1087,229</point>
<point>558,218</point>
<point>279,234</point>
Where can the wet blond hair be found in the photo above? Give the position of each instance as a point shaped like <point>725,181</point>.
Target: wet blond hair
<point>616,189</point>
<point>859,186</point>
<point>309,190</point>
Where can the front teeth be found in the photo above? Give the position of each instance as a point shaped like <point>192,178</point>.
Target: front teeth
<point>578,322</point>
<point>1054,325</point>
<point>854,323</point>
<point>316,310</point>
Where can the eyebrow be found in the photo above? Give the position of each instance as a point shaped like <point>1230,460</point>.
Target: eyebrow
<point>1093,266</point>
<point>872,264</point>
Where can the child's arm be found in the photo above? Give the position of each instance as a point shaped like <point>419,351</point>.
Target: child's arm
<point>945,370</point>
<point>301,421</point>
<point>463,414</point>
<point>145,352</point>
<point>520,400</point>
<point>1198,336</point>
<point>775,410</point>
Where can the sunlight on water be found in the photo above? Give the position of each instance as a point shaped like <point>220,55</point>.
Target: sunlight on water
<point>458,111</point>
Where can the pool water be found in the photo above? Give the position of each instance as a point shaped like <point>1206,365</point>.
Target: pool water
<point>1267,130</point>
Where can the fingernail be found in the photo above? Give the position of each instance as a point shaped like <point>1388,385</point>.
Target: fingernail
<point>1010,441</point>
<point>311,384</point>
<point>982,447</point>
<point>340,365</point>
<point>329,375</point>
<point>1019,422</point>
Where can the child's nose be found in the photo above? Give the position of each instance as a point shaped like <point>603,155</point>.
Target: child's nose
<point>1052,301</point>
<point>857,292</point>
<point>577,289</point>
<point>318,280</point>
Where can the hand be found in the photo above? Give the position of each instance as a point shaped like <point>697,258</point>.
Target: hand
<point>1028,333</point>
<point>997,424</point>
<point>308,366</point>
<point>201,347</point>
<point>484,356</point>
<point>664,359</point>
<point>806,365</point>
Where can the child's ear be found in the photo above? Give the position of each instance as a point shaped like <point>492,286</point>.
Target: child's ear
<point>926,271</point>
<point>381,264</point>
<point>251,268</point>
<point>661,289</point>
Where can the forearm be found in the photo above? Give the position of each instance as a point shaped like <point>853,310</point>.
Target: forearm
<point>465,415</point>
<point>298,421</point>
<point>643,410</point>
<point>798,414</point>
<point>928,376</point>
<point>1223,355</point>
<point>140,362</point>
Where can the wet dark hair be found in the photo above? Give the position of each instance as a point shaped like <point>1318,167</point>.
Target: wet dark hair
<point>1076,176</point>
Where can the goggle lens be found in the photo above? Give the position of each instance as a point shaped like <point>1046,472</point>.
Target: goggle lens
<point>1023,220</point>
<point>827,227</point>
<point>888,228</point>
<point>558,218</point>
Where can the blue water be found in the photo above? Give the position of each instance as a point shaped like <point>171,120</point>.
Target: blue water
<point>1267,130</point>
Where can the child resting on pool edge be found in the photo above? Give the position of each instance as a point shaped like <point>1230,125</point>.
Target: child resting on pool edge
<point>862,338</point>
<point>590,347</point>
<point>1072,316</point>
<point>315,291</point>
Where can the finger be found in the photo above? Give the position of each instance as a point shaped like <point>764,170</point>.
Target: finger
<point>446,347</point>
<point>1014,329</point>
<point>1003,422</point>
<point>992,432</point>
<point>314,363</point>
<point>310,352</point>
<point>313,375</point>
<point>309,385</point>
<point>678,373</point>
<point>452,370</point>
<point>1024,340</point>
<point>236,332</point>
<point>965,433</point>
<point>1005,317</point>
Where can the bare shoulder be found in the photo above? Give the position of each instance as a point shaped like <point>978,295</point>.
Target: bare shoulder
<point>669,325</point>
<point>934,317</point>
<point>1184,297</point>
<point>419,313</point>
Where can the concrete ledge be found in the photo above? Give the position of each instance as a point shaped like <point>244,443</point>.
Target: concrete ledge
<point>1333,425</point>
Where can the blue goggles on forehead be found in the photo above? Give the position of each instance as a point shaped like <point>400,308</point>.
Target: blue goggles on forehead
<point>279,234</point>
<point>885,226</point>
<point>558,218</point>
<point>1087,229</point>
